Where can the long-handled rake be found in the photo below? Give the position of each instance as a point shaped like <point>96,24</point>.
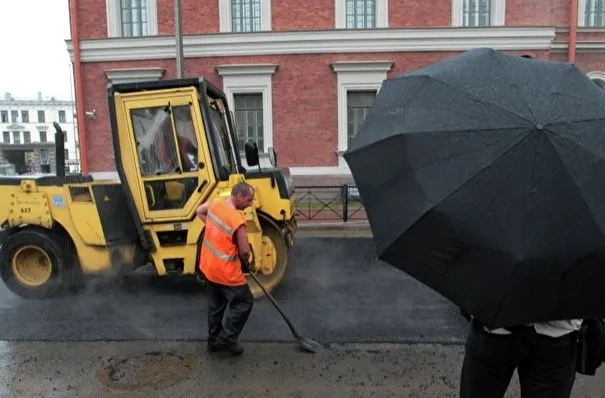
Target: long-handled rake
<point>305,343</point>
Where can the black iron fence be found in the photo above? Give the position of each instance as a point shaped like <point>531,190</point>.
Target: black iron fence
<point>329,203</point>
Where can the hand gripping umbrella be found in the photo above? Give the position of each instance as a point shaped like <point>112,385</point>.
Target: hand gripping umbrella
<point>483,176</point>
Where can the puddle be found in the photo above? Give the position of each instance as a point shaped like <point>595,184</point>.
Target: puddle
<point>152,369</point>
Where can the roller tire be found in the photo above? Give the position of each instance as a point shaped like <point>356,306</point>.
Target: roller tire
<point>273,280</point>
<point>55,247</point>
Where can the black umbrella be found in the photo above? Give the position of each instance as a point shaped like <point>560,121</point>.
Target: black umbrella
<point>483,177</point>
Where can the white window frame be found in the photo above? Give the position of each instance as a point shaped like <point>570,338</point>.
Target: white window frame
<point>251,78</point>
<point>582,16</point>
<point>382,14</point>
<point>224,11</point>
<point>497,16</point>
<point>355,76</point>
<point>114,18</point>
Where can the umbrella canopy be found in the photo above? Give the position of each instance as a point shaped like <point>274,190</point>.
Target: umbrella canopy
<point>483,177</point>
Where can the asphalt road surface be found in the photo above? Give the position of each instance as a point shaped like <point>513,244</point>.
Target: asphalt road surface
<point>335,292</point>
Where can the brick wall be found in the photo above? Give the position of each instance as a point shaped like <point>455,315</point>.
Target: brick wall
<point>203,16</point>
<point>304,99</point>
<point>414,13</point>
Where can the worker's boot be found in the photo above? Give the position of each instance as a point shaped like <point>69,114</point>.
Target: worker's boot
<point>233,350</point>
<point>213,346</point>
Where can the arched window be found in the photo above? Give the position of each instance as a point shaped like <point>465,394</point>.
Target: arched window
<point>598,78</point>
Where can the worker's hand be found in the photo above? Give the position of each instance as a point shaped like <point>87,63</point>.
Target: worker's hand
<point>245,266</point>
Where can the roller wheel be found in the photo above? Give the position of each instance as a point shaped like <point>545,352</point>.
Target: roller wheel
<point>275,250</point>
<point>34,264</point>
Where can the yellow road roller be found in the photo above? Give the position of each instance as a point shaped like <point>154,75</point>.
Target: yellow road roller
<point>175,148</point>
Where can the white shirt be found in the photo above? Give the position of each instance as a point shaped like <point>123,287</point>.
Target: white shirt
<point>551,328</point>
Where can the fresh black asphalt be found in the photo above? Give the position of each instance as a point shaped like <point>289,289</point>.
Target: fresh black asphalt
<point>335,291</point>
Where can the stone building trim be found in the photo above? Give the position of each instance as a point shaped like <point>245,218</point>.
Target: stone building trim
<point>355,75</point>
<point>132,75</point>
<point>317,42</point>
<point>251,78</point>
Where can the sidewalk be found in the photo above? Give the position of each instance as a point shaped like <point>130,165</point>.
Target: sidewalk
<point>329,229</point>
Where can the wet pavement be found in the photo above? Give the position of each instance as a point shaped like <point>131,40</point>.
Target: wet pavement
<point>335,291</point>
<point>387,336</point>
<point>184,369</point>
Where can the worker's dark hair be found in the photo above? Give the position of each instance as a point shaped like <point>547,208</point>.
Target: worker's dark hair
<point>242,188</point>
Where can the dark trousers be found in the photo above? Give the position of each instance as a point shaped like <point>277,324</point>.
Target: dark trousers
<point>228,311</point>
<point>545,365</point>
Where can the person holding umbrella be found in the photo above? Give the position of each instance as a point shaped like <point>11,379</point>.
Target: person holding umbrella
<point>544,355</point>
<point>482,177</point>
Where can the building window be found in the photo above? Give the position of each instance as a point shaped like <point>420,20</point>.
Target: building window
<point>358,105</point>
<point>245,15</point>
<point>361,14</point>
<point>41,117</point>
<point>598,78</point>
<point>14,116</point>
<point>591,13</point>
<point>6,137</point>
<point>44,157</point>
<point>42,136</point>
<point>66,154</point>
<point>62,118</point>
<point>27,137</point>
<point>25,116</point>
<point>600,83</point>
<point>16,137</point>
<point>248,110</point>
<point>134,17</point>
<point>354,81</point>
<point>249,93</point>
<point>478,13</point>
<point>4,116</point>
<point>131,18</point>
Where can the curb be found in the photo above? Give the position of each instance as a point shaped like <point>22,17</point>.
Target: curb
<point>339,226</point>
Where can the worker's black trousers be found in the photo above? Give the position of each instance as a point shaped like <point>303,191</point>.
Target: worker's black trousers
<point>546,366</point>
<point>228,311</point>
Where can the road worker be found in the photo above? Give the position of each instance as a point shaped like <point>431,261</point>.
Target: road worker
<point>224,261</point>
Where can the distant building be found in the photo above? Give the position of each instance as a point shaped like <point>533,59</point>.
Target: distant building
<point>301,75</point>
<point>28,135</point>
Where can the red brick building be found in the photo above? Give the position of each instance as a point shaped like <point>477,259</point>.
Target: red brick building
<point>299,75</point>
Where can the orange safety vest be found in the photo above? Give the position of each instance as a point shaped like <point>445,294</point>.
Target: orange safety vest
<point>219,260</point>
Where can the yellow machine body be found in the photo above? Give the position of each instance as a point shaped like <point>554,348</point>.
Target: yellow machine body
<point>175,148</point>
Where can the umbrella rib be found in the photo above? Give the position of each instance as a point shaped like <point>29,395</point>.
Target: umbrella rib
<point>564,84</point>
<point>499,60</point>
<point>598,119</point>
<point>467,152</point>
<point>530,185</point>
<point>571,176</point>
<point>482,100</point>
<point>406,107</point>
<point>513,145</point>
<point>533,168</point>
<point>577,144</point>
